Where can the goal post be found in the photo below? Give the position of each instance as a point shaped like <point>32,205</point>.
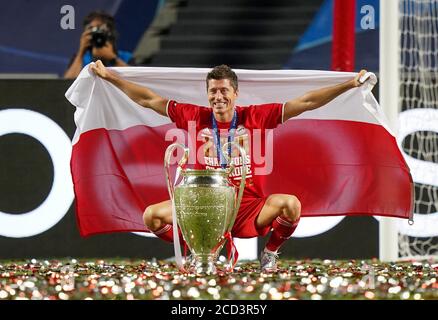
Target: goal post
<point>389,61</point>
<point>409,96</point>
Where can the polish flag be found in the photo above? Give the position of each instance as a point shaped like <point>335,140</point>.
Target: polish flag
<point>340,159</point>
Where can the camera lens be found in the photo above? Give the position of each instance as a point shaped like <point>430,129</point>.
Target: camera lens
<point>98,37</point>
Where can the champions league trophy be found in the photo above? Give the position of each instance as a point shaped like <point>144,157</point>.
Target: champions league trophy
<point>205,204</point>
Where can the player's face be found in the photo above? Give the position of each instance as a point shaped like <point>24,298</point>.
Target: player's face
<point>221,96</point>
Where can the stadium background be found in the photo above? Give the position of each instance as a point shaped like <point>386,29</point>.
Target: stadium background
<point>43,49</point>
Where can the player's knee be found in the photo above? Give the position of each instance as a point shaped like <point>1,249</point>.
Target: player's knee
<point>293,208</point>
<point>149,216</point>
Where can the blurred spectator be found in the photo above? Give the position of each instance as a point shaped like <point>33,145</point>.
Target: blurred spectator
<point>98,42</point>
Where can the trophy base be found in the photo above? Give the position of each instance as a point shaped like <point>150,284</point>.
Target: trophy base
<point>203,265</point>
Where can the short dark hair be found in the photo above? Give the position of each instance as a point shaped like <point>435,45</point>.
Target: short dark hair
<point>108,20</point>
<point>223,72</point>
<point>101,15</point>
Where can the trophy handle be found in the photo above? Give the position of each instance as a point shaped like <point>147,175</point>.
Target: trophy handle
<point>170,188</point>
<point>242,181</point>
<point>181,163</point>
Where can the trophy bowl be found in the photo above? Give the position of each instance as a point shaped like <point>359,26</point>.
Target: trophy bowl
<point>204,204</point>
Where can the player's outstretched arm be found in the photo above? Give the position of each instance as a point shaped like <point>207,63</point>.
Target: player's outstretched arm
<point>141,95</point>
<point>318,98</point>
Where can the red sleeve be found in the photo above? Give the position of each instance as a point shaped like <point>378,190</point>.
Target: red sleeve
<point>181,113</point>
<point>265,116</point>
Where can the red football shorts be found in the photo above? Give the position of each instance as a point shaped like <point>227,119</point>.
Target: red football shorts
<point>245,224</point>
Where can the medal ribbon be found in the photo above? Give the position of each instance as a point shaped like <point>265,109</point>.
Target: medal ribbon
<point>217,138</point>
<point>233,255</point>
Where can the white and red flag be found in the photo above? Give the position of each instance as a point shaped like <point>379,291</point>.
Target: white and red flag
<point>340,159</point>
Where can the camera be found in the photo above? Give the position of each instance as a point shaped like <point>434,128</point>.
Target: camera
<point>99,36</point>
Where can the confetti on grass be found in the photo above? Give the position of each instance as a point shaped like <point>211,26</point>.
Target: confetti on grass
<point>72,279</point>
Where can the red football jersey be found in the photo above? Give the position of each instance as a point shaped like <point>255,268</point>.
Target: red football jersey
<point>253,133</point>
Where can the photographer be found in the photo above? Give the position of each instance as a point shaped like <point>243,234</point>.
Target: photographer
<point>98,42</point>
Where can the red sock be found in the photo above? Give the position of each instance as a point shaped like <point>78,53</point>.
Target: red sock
<point>282,230</point>
<point>166,233</point>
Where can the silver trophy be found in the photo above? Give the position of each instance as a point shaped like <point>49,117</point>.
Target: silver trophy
<point>206,205</point>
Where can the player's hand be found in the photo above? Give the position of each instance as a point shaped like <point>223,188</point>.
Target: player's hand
<point>359,80</point>
<point>99,69</point>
